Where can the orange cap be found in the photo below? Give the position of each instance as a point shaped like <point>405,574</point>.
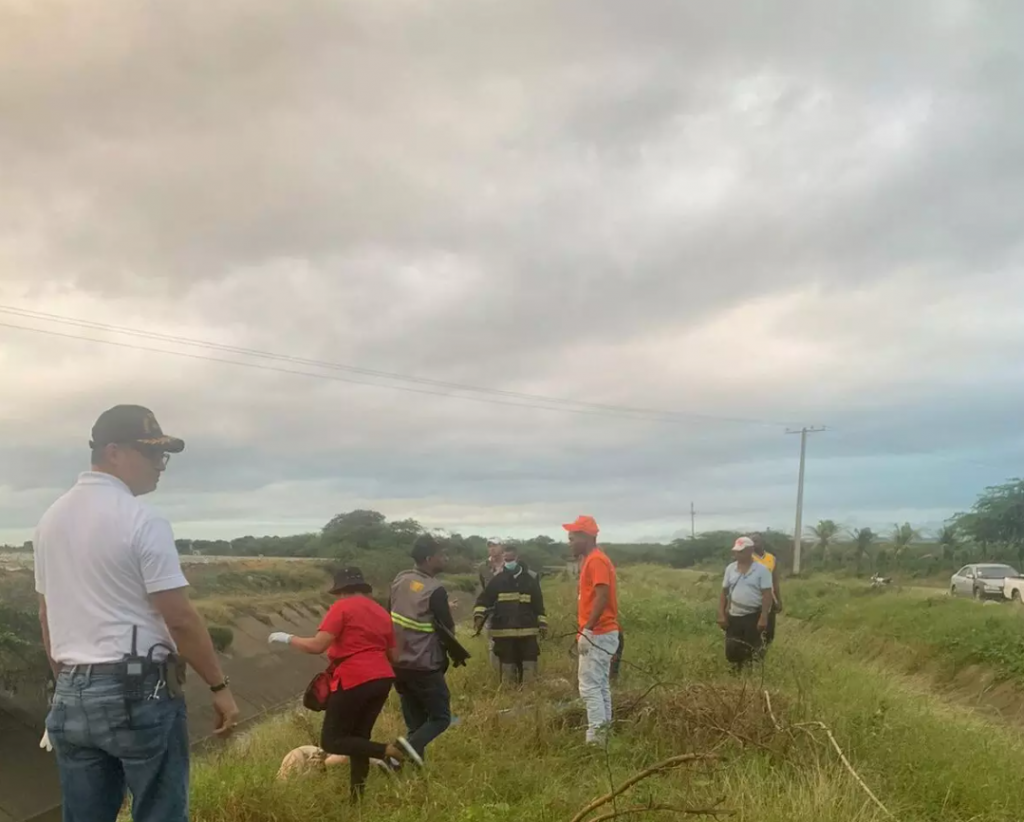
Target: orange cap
<point>583,524</point>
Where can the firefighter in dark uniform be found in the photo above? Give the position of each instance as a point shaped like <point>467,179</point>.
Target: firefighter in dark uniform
<point>515,604</point>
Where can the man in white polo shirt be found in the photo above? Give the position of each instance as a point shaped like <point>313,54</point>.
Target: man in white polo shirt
<point>116,617</point>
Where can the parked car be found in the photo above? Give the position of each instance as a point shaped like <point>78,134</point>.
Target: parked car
<point>984,580</point>
<point>1013,588</point>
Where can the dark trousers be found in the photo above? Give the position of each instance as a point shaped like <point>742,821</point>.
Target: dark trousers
<point>769,635</point>
<point>426,705</point>
<point>515,651</point>
<point>348,723</point>
<point>743,641</point>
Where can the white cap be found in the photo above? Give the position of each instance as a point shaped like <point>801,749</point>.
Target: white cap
<point>742,544</point>
<point>495,541</point>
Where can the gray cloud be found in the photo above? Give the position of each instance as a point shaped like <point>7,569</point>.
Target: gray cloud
<point>802,213</point>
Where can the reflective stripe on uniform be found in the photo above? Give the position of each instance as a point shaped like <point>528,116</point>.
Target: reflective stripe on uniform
<point>512,633</point>
<point>515,596</point>
<point>411,624</point>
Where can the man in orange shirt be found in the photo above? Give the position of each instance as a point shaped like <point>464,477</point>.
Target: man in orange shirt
<point>598,623</point>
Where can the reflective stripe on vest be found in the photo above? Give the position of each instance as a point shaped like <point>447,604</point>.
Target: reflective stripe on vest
<point>412,624</point>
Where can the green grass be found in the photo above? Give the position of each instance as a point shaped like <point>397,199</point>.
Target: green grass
<point>258,577</point>
<point>925,758</point>
<point>921,628</point>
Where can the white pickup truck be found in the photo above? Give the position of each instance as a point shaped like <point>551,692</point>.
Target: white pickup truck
<point>1013,588</point>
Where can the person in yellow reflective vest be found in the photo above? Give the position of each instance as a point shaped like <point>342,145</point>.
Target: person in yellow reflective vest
<point>768,560</point>
<point>515,605</point>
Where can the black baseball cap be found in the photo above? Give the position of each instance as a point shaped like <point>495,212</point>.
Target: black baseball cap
<point>132,424</point>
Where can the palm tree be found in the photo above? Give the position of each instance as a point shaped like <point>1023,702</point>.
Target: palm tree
<point>862,539</point>
<point>902,536</point>
<point>949,539</point>
<point>824,533</point>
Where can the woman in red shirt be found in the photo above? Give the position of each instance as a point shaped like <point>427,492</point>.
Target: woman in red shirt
<point>357,635</point>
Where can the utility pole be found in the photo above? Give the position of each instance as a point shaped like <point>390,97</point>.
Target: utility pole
<point>693,520</point>
<point>798,530</point>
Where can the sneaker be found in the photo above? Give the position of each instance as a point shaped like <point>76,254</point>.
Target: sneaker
<point>410,751</point>
<point>389,764</point>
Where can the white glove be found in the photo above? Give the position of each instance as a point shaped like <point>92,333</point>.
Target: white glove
<point>45,743</point>
<point>280,636</point>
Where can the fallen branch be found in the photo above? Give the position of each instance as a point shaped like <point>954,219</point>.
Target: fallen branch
<point>771,713</point>
<point>804,726</point>
<point>667,765</point>
<point>669,808</point>
<point>741,738</point>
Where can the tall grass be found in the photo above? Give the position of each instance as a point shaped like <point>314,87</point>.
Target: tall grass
<point>925,759</point>
<point>936,629</point>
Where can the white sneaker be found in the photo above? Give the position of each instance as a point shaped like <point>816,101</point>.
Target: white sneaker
<point>410,751</point>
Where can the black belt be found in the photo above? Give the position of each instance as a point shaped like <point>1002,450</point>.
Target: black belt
<point>108,668</point>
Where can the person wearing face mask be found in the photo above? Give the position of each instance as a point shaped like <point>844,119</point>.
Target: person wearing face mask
<point>515,605</point>
<point>489,569</point>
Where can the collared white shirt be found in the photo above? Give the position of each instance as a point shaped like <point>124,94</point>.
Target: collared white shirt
<point>99,553</point>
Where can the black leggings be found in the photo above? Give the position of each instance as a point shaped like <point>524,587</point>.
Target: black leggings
<point>348,723</point>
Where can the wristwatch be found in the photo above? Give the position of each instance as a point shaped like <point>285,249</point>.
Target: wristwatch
<point>218,688</point>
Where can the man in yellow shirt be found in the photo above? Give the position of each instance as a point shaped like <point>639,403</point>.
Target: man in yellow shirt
<point>762,556</point>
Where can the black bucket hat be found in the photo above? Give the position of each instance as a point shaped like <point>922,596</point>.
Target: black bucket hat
<point>348,580</point>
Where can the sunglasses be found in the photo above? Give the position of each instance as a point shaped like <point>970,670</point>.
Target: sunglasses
<point>153,454</point>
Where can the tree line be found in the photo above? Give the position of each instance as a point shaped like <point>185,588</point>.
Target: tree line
<point>992,531</point>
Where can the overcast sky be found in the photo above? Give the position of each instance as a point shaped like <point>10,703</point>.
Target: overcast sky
<point>743,216</point>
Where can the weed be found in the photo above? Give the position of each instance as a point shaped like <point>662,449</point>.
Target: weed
<point>222,637</point>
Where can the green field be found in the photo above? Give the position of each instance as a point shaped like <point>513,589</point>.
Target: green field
<point>925,757</point>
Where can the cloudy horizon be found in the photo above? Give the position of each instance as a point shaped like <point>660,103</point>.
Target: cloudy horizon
<point>740,219</point>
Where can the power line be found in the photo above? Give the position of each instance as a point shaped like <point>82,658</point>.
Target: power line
<point>574,406</point>
<point>329,377</point>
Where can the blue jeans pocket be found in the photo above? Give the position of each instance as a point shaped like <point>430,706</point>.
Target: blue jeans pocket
<point>55,721</point>
<point>137,730</point>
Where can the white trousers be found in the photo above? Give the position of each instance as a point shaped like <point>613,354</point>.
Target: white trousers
<point>595,682</point>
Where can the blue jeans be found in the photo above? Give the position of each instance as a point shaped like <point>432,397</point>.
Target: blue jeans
<point>595,682</point>
<point>105,744</point>
<point>426,705</point>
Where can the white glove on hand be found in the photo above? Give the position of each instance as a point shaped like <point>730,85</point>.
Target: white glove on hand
<point>45,743</point>
<point>280,636</point>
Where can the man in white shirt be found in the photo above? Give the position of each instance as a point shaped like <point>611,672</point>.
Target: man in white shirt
<point>744,605</point>
<point>117,624</point>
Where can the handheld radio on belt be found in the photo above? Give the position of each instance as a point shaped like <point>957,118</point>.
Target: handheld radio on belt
<point>135,669</point>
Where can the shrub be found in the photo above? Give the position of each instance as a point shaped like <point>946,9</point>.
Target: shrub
<point>222,637</point>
